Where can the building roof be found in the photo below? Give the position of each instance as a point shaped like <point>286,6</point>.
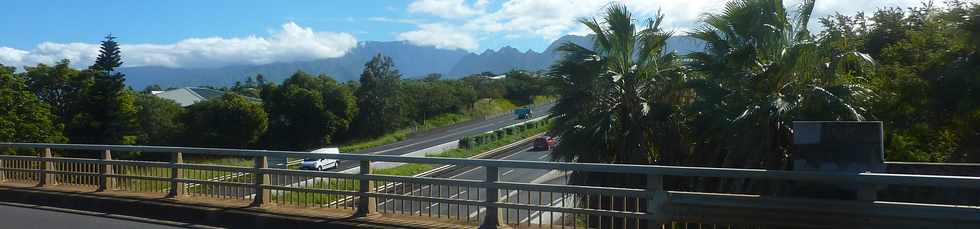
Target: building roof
<point>187,96</point>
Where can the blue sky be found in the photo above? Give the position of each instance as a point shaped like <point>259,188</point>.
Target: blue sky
<point>212,33</point>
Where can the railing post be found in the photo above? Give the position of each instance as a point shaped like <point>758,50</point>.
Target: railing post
<point>3,176</point>
<point>176,188</point>
<point>45,178</point>
<point>262,195</point>
<point>656,197</point>
<point>491,218</point>
<point>106,183</point>
<point>366,205</point>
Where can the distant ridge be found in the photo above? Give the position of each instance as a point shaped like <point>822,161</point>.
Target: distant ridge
<point>411,60</point>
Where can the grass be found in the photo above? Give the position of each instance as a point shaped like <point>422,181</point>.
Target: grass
<point>491,107</point>
<point>305,198</point>
<point>229,161</point>
<point>405,170</point>
<point>539,99</point>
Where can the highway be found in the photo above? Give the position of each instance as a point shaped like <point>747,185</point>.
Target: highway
<point>472,193</point>
<point>438,136</point>
<point>412,143</point>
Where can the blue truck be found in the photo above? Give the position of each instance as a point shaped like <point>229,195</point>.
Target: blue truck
<point>523,113</point>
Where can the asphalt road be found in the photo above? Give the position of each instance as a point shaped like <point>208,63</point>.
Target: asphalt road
<point>15,216</point>
<point>472,213</point>
<point>438,136</point>
<point>412,143</point>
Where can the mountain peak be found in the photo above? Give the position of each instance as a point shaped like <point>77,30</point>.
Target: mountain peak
<point>412,60</point>
<point>508,49</point>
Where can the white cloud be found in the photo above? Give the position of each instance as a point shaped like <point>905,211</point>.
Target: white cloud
<point>551,19</point>
<point>447,8</point>
<point>410,21</point>
<point>291,43</point>
<point>440,36</point>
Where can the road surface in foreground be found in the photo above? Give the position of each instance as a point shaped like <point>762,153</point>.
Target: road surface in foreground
<point>27,216</point>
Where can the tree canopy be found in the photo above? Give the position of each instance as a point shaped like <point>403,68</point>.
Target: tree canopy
<point>229,122</point>
<point>382,106</point>
<point>613,103</point>
<point>307,112</point>
<point>24,117</point>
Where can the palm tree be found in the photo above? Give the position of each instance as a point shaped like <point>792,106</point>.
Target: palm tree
<point>618,98</point>
<point>761,70</point>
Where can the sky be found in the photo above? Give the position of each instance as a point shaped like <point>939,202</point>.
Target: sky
<point>215,33</point>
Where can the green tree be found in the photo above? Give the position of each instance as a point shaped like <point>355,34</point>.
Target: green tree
<point>928,81</point>
<point>307,112</point>
<point>250,88</point>
<point>521,86</point>
<point>762,69</point>
<point>231,121</point>
<point>486,88</point>
<point>432,97</point>
<point>109,56</point>
<point>107,114</point>
<point>60,86</point>
<point>24,117</point>
<point>159,120</point>
<point>381,106</point>
<point>616,97</point>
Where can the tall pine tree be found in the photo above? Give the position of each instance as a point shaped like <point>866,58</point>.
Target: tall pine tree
<point>108,113</point>
<point>109,56</point>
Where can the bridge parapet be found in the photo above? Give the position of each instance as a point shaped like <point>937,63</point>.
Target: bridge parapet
<point>475,202</point>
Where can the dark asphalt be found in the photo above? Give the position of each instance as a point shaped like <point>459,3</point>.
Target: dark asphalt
<point>19,216</point>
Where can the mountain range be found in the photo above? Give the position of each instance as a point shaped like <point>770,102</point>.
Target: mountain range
<point>411,60</point>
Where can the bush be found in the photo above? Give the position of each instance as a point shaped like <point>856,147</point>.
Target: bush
<point>477,140</point>
<point>485,138</point>
<point>465,142</point>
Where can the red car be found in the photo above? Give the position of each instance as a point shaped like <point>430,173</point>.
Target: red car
<point>545,143</point>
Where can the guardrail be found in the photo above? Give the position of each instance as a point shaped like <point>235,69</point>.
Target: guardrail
<point>490,202</point>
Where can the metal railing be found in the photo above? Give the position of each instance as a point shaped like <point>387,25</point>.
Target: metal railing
<point>488,201</point>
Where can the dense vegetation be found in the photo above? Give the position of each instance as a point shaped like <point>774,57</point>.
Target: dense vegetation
<point>60,104</point>
<point>732,104</point>
<point>624,100</point>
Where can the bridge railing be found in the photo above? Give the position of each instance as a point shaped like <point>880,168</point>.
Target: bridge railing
<point>486,201</point>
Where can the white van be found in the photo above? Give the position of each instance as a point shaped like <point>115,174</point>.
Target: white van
<point>320,163</point>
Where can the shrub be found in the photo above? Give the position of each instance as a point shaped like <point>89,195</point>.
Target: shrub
<point>465,142</point>
<point>478,140</point>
